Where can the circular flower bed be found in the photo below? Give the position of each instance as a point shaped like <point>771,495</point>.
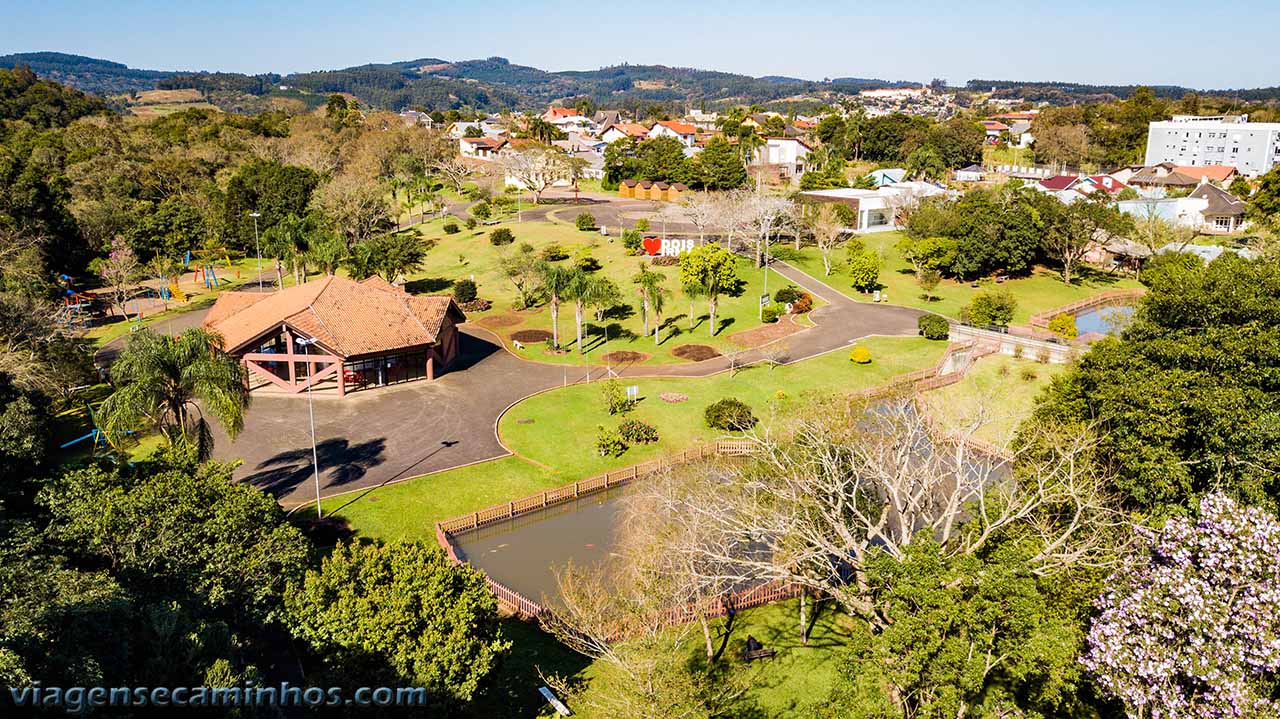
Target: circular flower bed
<point>695,353</point>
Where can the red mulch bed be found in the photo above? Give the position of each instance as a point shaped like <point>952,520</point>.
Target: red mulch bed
<point>695,353</point>
<point>531,336</point>
<point>624,357</point>
<point>504,320</point>
<point>764,334</point>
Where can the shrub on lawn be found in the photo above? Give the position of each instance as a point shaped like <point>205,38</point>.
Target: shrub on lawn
<point>464,291</point>
<point>802,305</point>
<point>585,221</point>
<point>933,327</point>
<point>1028,374</point>
<point>482,211</point>
<point>864,270</point>
<point>634,431</point>
<point>632,242</point>
<point>730,414</point>
<point>554,253</point>
<point>860,355</point>
<point>790,293</point>
<point>1063,325</point>
<point>665,260</point>
<point>642,225</point>
<point>470,223</point>
<point>585,262</point>
<point>615,398</point>
<point>501,236</point>
<point>769,314</point>
<point>609,442</point>
<point>993,307</point>
<point>451,228</point>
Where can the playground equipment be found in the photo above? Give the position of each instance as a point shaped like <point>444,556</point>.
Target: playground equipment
<point>205,271</point>
<point>102,445</point>
<point>78,309</point>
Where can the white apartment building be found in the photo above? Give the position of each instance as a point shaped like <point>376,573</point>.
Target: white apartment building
<point>1252,148</point>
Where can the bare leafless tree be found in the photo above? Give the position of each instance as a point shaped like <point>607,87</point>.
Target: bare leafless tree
<point>453,170</point>
<point>702,209</point>
<point>537,169</point>
<point>823,223</point>
<point>765,216</point>
<point>850,476</point>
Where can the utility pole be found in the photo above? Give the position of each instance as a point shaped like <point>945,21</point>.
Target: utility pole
<point>311,409</point>
<point>257,248</point>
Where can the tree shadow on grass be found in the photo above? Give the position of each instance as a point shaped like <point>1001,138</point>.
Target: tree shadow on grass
<point>513,689</point>
<point>428,285</point>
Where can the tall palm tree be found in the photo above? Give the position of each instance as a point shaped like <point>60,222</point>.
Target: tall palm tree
<point>692,293</point>
<point>159,381</point>
<point>649,285</point>
<point>557,281</point>
<point>656,303</point>
<point>327,253</point>
<point>587,290</point>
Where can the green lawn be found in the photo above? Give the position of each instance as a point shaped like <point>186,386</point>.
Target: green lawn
<point>468,255</point>
<point>1042,290</point>
<point>1005,155</point>
<point>1003,387</point>
<point>565,421</point>
<point>563,431</point>
<point>410,510</point>
<point>798,679</point>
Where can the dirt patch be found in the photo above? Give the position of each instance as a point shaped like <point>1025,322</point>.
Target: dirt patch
<point>531,336</point>
<point>624,357</point>
<point>765,334</point>
<point>695,353</point>
<point>673,397</point>
<point>157,97</point>
<point>492,322</point>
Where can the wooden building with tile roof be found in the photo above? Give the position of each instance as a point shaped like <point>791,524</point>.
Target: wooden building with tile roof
<point>365,334</point>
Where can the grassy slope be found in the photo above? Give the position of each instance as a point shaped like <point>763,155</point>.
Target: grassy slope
<point>565,421</point>
<point>1041,291</point>
<point>562,436</point>
<point>995,384</point>
<point>469,254</point>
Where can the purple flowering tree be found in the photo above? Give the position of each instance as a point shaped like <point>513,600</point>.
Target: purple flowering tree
<point>119,270</point>
<point>1190,626</point>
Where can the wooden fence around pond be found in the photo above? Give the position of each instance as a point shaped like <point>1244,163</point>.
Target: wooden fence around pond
<point>529,610</point>
<point>1105,299</point>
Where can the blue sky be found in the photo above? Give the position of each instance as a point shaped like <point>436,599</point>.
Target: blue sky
<point>1230,43</point>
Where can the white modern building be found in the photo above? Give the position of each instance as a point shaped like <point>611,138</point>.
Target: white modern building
<point>1252,148</point>
<point>877,210</point>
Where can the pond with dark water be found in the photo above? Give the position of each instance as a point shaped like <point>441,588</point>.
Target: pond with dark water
<point>1104,320</point>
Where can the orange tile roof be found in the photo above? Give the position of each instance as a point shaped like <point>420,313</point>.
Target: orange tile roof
<point>1213,172</point>
<point>678,127</point>
<point>560,112</point>
<point>348,318</point>
<point>631,129</point>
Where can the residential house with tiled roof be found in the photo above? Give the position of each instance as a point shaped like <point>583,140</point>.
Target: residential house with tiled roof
<point>481,148</point>
<point>684,132</point>
<point>354,334</point>
<point>623,130</point>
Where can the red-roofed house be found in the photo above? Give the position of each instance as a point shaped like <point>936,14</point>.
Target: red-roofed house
<point>683,132</point>
<point>481,148</point>
<point>623,130</point>
<point>1059,182</point>
<point>1093,183</point>
<point>1222,174</point>
<point>994,128</point>
<point>361,334</point>
<point>558,113</point>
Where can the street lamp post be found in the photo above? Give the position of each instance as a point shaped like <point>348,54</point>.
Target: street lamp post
<point>256,247</point>
<point>311,409</point>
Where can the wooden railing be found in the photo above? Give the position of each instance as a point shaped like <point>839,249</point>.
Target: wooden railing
<point>529,610</point>
<point>1106,299</point>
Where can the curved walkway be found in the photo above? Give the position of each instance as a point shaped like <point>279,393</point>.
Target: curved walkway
<point>380,436</point>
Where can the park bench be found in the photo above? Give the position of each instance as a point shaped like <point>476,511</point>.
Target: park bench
<point>486,223</point>
<point>755,650</point>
